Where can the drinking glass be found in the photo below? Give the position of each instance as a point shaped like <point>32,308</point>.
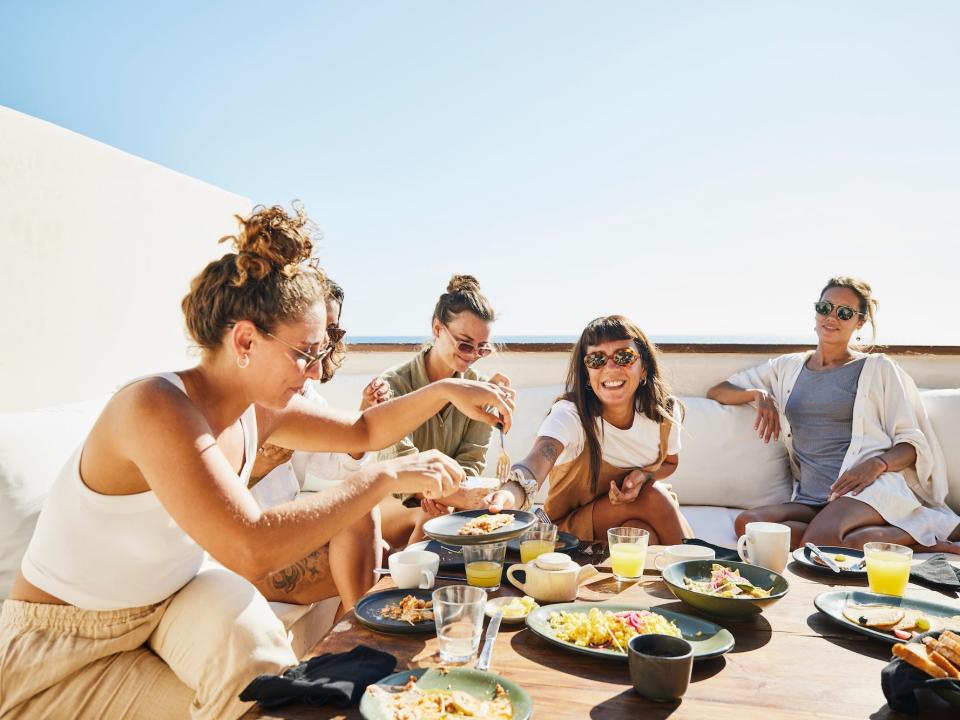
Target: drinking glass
<point>539,539</point>
<point>888,567</point>
<point>458,613</point>
<point>484,564</point>
<point>628,552</point>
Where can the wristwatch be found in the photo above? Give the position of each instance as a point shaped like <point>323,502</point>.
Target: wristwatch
<point>529,486</point>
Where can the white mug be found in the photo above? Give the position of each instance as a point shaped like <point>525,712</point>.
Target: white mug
<point>765,544</point>
<point>681,553</point>
<point>414,568</point>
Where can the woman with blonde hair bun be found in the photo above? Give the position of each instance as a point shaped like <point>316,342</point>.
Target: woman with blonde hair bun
<point>111,614</point>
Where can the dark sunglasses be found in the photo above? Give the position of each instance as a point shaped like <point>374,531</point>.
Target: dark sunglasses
<point>825,307</point>
<point>624,357</point>
<point>481,350</point>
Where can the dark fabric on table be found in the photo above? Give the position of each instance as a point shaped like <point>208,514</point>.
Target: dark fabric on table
<point>722,552</point>
<point>936,572</point>
<point>336,678</point>
<point>900,681</point>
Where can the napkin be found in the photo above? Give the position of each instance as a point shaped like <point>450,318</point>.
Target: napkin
<point>937,572</point>
<point>900,682</point>
<point>336,678</point>
<point>722,552</point>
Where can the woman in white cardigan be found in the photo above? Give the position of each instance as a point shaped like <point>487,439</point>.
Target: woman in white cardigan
<point>867,463</point>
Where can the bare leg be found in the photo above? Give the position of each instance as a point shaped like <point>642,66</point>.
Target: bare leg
<point>796,516</point>
<point>353,552</point>
<point>398,523</point>
<point>653,510</point>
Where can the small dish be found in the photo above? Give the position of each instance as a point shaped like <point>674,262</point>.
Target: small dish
<point>729,608</point>
<point>496,604</point>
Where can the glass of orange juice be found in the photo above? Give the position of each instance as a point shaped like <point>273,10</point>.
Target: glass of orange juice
<point>888,567</point>
<point>628,552</point>
<point>539,539</point>
<point>484,565</point>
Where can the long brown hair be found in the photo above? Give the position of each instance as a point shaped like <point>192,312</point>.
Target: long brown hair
<point>652,398</point>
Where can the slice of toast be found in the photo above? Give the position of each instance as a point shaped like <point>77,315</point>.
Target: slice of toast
<point>947,666</point>
<point>916,655</point>
<point>880,617</point>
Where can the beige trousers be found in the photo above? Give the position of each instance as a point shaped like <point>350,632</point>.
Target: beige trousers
<point>187,657</point>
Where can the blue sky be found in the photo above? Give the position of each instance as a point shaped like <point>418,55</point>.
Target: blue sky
<point>700,166</point>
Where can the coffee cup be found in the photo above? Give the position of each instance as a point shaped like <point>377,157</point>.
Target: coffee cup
<point>660,666</point>
<point>681,553</point>
<point>414,568</point>
<point>765,544</point>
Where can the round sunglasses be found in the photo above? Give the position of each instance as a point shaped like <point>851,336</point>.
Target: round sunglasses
<point>624,357</point>
<point>825,307</point>
<point>481,350</point>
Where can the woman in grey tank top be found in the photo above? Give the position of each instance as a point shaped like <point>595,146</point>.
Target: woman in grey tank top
<point>851,455</point>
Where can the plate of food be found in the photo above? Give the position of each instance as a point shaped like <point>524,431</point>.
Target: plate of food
<point>566,542</point>
<point>886,617</point>
<point>847,559</point>
<point>604,629</point>
<point>445,694</point>
<point>397,611</point>
<point>475,527</point>
<point>515,609</point>
<point>725,589</point>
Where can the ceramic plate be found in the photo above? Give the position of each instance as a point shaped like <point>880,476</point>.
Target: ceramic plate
<point>728,608</point>
<point>708,639</point>
<point>451,558</point>
<point>444,529</point>
<point>475,682</point>
<point>566,542</point>
<point>832,604</point>
<point>805,558</point>
<point>368,610</point>
<point>495,604</point>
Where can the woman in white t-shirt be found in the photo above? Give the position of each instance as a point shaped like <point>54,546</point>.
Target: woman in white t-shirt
<point>614,433</point>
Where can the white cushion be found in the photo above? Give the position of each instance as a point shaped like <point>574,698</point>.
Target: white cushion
<point>943,408</point>
<point>713,524</point>
<point>34,446</point>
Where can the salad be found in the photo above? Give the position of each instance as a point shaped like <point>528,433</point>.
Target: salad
<point>726,582</point>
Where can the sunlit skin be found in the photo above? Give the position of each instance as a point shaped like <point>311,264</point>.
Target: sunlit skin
<point>444,358</point>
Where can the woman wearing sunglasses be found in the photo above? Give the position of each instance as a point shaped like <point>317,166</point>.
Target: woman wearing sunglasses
<point>867,464</point>
<point>607,441</point>
<point>111,614</point>
<point>461,326</point>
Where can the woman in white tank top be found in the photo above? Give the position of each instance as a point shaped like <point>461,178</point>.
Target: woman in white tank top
<point>161,478</point>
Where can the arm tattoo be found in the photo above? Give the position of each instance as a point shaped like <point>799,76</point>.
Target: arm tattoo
<point>549,449</point>
<point>310,568</point>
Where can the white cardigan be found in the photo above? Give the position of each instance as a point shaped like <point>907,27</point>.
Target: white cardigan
<point>887,410</point>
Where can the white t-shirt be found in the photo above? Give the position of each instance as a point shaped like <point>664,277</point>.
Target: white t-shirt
<point>637,446</point>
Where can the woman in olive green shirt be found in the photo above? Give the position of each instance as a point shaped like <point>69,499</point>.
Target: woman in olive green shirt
<point>461,334</point>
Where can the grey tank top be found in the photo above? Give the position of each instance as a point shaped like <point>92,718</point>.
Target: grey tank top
<point>820,412</point>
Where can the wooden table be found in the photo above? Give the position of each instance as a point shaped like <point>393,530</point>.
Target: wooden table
<point>790,662</point>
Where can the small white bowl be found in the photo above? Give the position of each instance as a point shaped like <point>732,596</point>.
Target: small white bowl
<point>496,604</point>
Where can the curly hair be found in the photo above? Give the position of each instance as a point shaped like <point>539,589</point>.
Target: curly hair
<point>266,281</point>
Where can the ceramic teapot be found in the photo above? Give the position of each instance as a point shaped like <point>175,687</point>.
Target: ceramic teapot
<point>552,577</point>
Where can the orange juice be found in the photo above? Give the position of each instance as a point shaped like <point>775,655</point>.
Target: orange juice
<point>530,550</point>
<point>888,572</point>
<point>628,559</point>
<point>484,573</point>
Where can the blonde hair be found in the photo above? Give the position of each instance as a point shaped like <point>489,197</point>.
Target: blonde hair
<point>265,281</point>
<point>868,303</point>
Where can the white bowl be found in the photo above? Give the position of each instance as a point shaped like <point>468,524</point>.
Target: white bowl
<point>495,604</point>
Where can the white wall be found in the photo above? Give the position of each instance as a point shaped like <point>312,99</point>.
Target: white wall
<point>97,248</point>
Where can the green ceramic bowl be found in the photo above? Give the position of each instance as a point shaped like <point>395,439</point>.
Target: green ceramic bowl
<point>730,608</point>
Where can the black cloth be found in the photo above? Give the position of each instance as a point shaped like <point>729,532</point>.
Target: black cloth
<point>900,681</point>
<point>722,552</point>
<point>336,678</point>
<point>936,572</point>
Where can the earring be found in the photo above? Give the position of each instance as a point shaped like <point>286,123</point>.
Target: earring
<point>243,361</point>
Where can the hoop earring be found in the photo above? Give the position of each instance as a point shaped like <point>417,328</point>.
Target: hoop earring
<point>243,361</point>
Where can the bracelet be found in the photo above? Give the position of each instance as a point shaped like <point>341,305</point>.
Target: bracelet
<point>886,465</point>
<point>530,473</point>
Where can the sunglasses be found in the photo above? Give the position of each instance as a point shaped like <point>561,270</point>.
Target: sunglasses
<point>312,360</point>
<point>825,307</point>
<point>467,348</point>
<point>624,357</point>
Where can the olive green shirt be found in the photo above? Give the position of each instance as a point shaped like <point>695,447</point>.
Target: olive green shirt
<point>449,431</point>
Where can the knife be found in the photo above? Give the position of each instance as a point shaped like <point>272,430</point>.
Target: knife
<point>827,560</point>
<point>484,662</point>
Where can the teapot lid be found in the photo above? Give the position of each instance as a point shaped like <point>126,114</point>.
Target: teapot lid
<point>553,561</point>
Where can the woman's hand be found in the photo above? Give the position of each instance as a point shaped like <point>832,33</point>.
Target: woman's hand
<point>434,508</point>
<point>499,500</point>
<point>473,398</point>
<point>632,485</point>
<point>500,379</point>
<point>376,392</point>
<point>269,457</point>
<point>767,423</point>
<point>857,478</point>
<point>430,474</point>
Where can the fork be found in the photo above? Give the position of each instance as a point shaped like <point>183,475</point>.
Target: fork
<point>503,462</point>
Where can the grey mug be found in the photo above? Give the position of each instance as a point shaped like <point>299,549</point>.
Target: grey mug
<point>660,666</point>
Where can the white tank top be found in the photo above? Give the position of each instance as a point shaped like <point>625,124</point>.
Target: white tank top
<point>107,552</point>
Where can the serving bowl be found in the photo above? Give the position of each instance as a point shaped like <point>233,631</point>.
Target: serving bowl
<point>731,608</point>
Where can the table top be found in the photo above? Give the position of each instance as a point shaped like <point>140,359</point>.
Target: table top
<point>790,662</point>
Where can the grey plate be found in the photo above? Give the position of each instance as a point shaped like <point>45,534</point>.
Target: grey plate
<point>475,682</point>
<point>729,608</point>
<point>367,612</point>
<point>444,529</point>
<point>832,604</point>
<point>712,640</point>
<point>805,558</point>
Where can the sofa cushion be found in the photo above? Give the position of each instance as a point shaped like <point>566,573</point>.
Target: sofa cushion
<point>943,409</point>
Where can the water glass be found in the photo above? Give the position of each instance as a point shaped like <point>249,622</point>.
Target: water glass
<point>888,567</point>
<point>458,613</point>
<point>628,552</point>
<point>484,564</point>
<point>539,539</point>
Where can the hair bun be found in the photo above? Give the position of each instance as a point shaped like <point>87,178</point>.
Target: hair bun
<point>463,283</point>
<point>272,239</point>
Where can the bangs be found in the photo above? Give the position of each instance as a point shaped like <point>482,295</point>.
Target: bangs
<point>612,327</point>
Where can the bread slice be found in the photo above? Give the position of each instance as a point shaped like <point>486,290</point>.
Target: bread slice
<point>948,645</point>
<point>916,655</point>
<point>946,665</point>
<point>881,617</point>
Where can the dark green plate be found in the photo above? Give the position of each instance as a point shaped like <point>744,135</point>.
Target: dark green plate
<point>708,640</point>
<point>730,608</point>
<point>480,684</point>
<point>444,529</point>
<point>805,558</point>
<point>832,604</point>
<point>367,612</point>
